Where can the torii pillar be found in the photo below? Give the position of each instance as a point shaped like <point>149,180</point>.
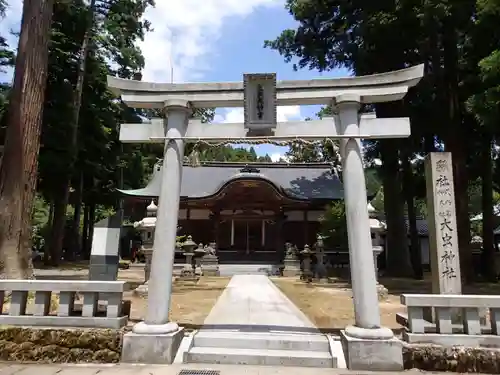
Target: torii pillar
<point>157,339</point>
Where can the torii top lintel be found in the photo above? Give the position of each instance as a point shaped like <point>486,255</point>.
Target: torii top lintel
<point>383,87</point>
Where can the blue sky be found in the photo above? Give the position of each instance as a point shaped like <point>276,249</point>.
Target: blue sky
<point>213,40</point>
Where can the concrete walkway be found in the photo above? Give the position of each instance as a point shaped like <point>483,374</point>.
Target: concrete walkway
<point>253,302</point>
<point>254,323</point>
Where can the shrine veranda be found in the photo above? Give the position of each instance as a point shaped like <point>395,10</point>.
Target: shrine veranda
<point>260,94</point>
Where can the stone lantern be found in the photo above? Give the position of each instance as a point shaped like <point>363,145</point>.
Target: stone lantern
<point>306,262</point>
<point>188,246</point>
<point>147,228</point>
<point>319,247</point>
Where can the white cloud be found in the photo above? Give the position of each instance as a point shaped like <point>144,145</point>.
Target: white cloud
<point>11,22</point>
<point>275,157</point>
<point>185,33</point>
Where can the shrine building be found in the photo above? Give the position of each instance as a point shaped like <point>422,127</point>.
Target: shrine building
<point>249,209</point>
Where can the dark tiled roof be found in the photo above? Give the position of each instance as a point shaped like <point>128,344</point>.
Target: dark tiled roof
<point>298,181</point>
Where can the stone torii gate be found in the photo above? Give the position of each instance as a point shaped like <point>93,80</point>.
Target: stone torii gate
<point>367,343</point>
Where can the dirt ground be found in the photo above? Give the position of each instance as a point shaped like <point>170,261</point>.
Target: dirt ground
<point>330,307</point>
<point>191,302</point>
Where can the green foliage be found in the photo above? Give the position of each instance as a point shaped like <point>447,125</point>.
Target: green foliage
<point>334,226</point>
<point>40,222</point>
<point>232,154</point>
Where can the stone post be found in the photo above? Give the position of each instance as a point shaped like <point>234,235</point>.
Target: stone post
<point>105,252</point>
<point>367,344</point>
<point>443,241</point>
<point>157,339</point>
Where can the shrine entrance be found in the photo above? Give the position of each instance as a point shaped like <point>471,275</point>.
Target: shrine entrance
<point>248,214</point>
<point>249,234</point>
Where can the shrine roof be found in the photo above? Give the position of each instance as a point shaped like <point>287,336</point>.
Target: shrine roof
<point>302,181</point>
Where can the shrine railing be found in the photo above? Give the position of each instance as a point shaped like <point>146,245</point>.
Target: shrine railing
<point>56,303</point>
<point>468,320</point>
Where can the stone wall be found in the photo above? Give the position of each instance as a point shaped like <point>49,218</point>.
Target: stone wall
<point>60,345</point>
<point>458,359</point>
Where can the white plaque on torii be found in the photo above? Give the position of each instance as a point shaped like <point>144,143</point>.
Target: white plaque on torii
<point>260,103</point>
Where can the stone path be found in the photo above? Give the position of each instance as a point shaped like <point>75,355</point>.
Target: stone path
<point>254,323</point>
<point>253,302</point>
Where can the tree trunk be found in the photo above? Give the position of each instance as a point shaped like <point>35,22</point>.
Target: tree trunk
<point>488,263</point>
<point>59,225</point>
<point>398,262</point>
<point>77,215</point>
<point>85,231</point>
<point>18,171</point>
<point>456,142</point>
<point>57,230</point>
<point>409,194</point>
<point>46,253</point>
<point>398,255</point>
<point>91,228</point>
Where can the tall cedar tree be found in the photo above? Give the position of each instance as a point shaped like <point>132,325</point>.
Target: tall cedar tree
<point>18,170</point>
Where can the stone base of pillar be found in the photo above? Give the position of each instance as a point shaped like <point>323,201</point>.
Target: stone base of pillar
<point>143,348</point>
<point>382,292</point>
<point>142,290</point>
<point>372,354</point>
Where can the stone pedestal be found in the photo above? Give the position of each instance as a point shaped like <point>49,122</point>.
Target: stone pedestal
<point>292,266</point>
<point>143,348</point>
<point>372,354</point>
<point>210,265</point>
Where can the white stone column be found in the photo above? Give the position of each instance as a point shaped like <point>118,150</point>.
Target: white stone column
<point>160,281</point>
<point>364,283</point>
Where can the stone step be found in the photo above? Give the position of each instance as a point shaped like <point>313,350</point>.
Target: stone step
<point>262,340</point>
<point>259,357</point>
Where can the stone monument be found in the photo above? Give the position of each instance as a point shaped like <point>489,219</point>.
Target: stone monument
<point>442,221</point>
<point>368,346</point>
<point>291,261</point>
<point>147,227</point>
<point>443,241</point>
